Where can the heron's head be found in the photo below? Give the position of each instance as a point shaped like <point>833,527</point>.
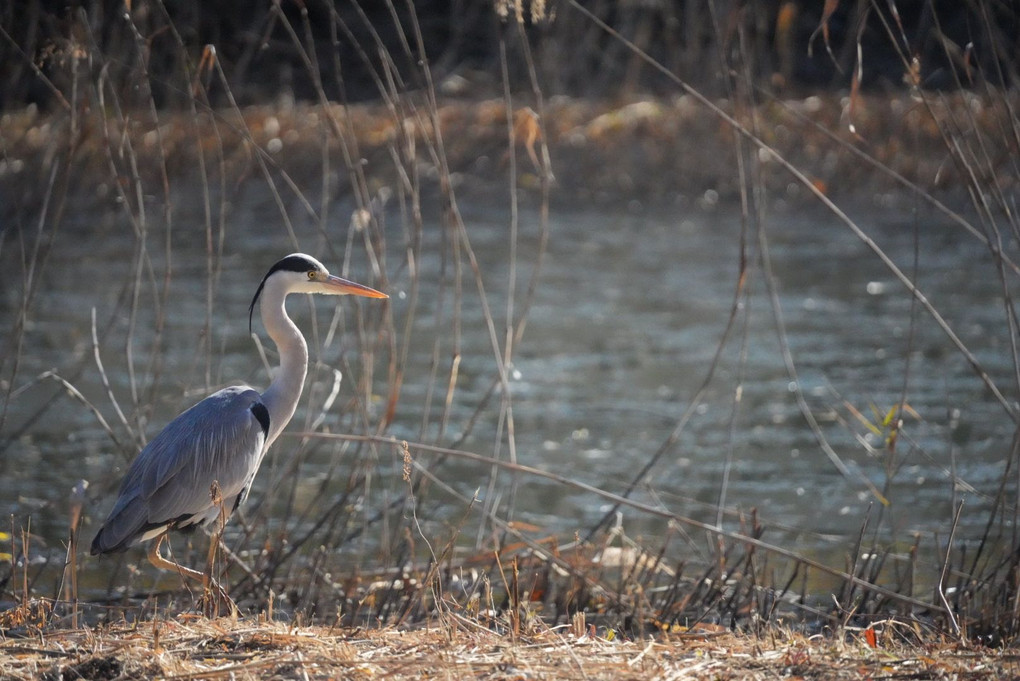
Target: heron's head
<point>300,273</point>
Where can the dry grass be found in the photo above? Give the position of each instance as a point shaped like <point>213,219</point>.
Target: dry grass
<point>189,647</point>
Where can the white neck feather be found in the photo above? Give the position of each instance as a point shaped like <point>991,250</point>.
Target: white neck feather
<point>282,396</point>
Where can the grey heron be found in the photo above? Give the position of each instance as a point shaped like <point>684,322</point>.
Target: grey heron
<point>221,440</point>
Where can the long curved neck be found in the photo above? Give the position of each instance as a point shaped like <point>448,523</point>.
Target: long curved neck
<point>282,395</point>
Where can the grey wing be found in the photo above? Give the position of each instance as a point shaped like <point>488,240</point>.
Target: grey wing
<point>221,439</point>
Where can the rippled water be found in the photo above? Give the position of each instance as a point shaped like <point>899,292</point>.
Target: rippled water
<point>628,315</point>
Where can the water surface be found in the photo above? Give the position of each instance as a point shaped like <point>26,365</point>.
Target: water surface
<point>628,315</point>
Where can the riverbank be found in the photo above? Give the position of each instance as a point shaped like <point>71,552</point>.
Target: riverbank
<point>658,151</point>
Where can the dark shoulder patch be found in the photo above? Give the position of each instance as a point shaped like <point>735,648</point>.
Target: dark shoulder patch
<point>262,416</point>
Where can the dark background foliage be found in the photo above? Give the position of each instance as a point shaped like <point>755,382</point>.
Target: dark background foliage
<point>790,46</point>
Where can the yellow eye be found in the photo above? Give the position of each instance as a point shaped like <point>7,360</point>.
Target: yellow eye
<point>311,275</point>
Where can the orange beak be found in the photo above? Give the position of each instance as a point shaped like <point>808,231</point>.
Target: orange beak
<point>343,287</point>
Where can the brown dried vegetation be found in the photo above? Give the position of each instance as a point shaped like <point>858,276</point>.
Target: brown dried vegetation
<point>186,647</point>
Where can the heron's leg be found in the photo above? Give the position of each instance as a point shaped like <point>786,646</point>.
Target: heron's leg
<point>157,559</point>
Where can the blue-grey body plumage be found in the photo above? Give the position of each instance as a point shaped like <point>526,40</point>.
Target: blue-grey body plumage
<point>221,439</point>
